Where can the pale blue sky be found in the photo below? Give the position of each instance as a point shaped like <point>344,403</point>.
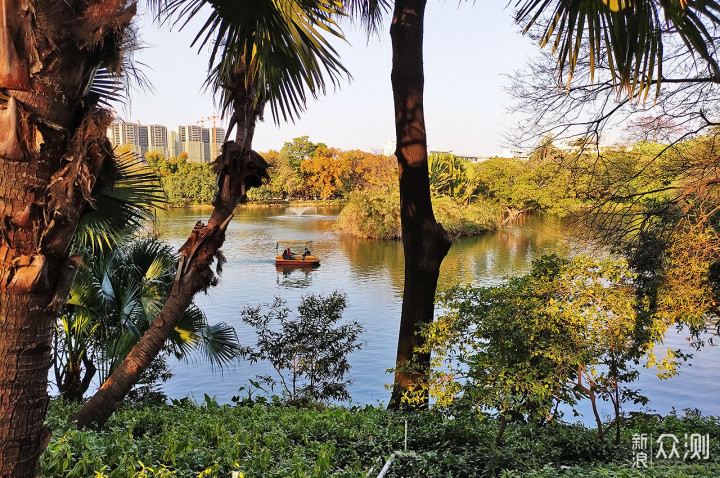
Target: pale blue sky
<point>468,48</point>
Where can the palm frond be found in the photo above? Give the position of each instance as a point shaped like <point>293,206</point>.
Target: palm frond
<point>220,344</point>
<point>106,287</point>
<point>117,351</point>
<point>126,195</point>
<point>154,260</point>
<point>282,43</point>
<point>133,71</point>
<point>369,13</point>
<point>107,88</point>
<point>185,337</point>
<point>120,73</point>
<point>628,34</point>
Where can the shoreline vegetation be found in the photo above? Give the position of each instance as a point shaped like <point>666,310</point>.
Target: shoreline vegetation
<point>256,439</point>
<point>376,215</point>
<point>468,198</point>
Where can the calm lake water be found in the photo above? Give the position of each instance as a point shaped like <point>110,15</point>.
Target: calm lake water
<point>370,272</point>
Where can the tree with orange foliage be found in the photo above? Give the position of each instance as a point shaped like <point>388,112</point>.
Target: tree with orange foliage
<point>324,173</point>
<point>370,171</point>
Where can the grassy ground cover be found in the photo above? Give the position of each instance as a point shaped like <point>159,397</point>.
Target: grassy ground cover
<point>190,440</point>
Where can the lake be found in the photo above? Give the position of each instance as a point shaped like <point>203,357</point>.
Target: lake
<point>370,273</point>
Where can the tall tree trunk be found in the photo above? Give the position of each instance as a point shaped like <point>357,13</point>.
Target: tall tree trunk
<point>36,230</point>
<point>238,168</point>
<point>425,242</point>
<point>52,145</point>
<point>26,333</point>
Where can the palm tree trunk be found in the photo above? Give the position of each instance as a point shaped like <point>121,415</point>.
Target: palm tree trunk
<point>52,144</point>
<point>425,242</point>
<point>194,273</point>
<point>36,227</point>
<point>26,329</point>
<point>190,280</point>
<point>25,348</point>
<point>41,210</point>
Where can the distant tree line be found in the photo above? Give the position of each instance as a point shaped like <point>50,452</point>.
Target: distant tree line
<point>301,170</point>
<point>305,170</point>
<point>184,181</point>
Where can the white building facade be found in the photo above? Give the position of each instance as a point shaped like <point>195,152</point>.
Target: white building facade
<point>202,145</point>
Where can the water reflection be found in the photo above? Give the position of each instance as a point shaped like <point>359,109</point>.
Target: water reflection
<point>370,259</point>
<point>488,259</point>
<point>296,276</point>
<point>370,272</point>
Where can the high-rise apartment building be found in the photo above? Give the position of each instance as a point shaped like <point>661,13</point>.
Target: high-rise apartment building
<point>143,136</point>
<point>131,134</point>
<point>158,140</point>
<point>194,140</point>
<point>157,136</point>
<point>125,133</point>
<point>220,135</point>
<point>197,142</point>
<point>191,133</point>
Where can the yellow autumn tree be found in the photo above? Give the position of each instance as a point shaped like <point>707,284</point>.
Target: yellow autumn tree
<point>324,174</point>
<point>370,171</point>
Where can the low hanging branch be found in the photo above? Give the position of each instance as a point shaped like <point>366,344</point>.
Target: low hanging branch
<point>694,188</point>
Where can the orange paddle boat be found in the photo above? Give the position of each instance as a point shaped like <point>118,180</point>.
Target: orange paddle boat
<point>295,253</point>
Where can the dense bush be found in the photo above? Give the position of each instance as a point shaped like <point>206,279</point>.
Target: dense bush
<point>466,220</point>
<point>568,330</point>
<point>371,214</point>
<point>187,440</point>
<point>376,215</point>
<point>184,181</point>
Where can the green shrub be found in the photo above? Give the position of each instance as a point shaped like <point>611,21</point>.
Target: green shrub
<point>376,215</point>
<point>563,332</point>
<point>466,220</point>
<point>309,352</point>
<point>371,214</point>
<point>189,440</point>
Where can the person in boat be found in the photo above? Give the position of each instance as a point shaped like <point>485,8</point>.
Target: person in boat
<point>305,253</point>
<point>287,254</point>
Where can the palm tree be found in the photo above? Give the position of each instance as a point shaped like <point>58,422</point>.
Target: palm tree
<point>125,195</point>
<point>452,176</point>
<point>115,296</point>
<point>264,52</point>
<point>52,147</point>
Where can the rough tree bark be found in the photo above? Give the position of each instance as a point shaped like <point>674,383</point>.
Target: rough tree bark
<point>238,168</point>
<point>52,145</point>
<point>425,242</point>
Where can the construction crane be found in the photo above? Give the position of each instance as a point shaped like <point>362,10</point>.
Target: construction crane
<point>214,133</point>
